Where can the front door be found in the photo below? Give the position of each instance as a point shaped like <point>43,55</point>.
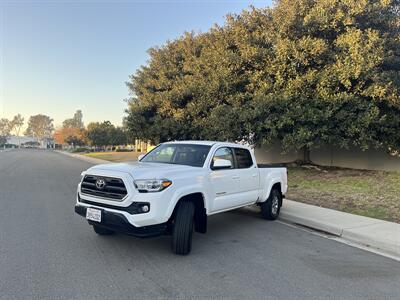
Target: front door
<point>224,182</point>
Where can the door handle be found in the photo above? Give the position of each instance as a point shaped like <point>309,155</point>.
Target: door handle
<point>235,177</point>
<point>254,175</point>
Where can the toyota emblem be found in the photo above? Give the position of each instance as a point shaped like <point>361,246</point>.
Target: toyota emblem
<point>100,183</point>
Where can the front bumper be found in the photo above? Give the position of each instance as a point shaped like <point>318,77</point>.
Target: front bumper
<point>119,223</point>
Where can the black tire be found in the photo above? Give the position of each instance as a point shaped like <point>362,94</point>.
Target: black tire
<point>102,231</point>
<point>270,209</point>
<point>182,230</point>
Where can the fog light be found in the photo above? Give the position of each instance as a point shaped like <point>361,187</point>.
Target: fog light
<point>145,208</point>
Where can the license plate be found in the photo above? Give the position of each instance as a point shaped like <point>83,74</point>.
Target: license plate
<point>93,214</point>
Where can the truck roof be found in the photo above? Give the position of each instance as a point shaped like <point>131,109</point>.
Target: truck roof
<point>207,143</point>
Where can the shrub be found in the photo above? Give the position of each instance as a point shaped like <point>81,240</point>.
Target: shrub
<point>123,150</point>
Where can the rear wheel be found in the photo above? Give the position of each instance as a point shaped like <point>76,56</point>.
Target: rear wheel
<point>102,231</point>
<point>270,208</point>
<point>183,228</point>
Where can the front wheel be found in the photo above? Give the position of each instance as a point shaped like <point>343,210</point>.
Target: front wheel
<point>271,207</point>
<point>183,228</point>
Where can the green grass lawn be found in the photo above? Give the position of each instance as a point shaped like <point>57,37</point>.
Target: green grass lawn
<point>373,194</point>
<point>115,156</point>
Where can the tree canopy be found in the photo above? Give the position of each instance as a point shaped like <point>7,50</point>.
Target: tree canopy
<point>70,135</point>
<point>5,129</point>
<point>75,122</point>
<point>304,72</point>
<point>40,126</point>
<point>98,134</point>
<point>72,132</point>
<point>105,134</point>
<point>10,126</point>
<point>16,124</point>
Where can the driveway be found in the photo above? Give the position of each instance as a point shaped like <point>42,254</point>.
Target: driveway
<point>49,252</point>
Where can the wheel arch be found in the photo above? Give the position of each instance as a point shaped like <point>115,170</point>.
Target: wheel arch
<point>200,215</point>
<point>274,185</point>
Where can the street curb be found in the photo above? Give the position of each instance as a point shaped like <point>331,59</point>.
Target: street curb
<point>5,150</point>
<point>368,232</point>
<point>92,160</point>
<point>385,245</point>
<point>333,229</point>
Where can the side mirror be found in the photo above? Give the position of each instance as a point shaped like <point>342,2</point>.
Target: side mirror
<point>140,156</point>
<point>221,164</point>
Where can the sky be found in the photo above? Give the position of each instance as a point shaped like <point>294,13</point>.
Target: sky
<point>60,56</point>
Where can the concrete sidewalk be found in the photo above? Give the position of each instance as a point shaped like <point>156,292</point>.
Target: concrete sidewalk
<point>92,160</point>
<point>380,235</point>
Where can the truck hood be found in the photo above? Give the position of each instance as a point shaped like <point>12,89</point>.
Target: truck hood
<point>140,170</point>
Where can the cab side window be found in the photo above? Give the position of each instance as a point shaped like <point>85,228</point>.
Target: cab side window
<point>223,153</point>
<point>243,158</point>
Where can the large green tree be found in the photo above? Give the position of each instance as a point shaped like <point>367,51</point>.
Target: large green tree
<point>117,136</point>
<point>304,72</point>
<point>105,134</point>
<point>192,88</point>
<point>332,75</point>
<point>98,133</point>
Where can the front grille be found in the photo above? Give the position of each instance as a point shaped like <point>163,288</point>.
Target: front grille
<point>114,188</point>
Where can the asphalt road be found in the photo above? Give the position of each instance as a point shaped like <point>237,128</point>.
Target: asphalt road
<point>49,252</point>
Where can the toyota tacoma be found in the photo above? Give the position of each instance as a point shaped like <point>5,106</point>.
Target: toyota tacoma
<point>175,187</point>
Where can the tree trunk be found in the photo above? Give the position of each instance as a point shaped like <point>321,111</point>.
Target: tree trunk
<point>306,155</point>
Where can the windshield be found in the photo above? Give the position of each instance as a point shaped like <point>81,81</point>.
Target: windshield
<point>180,154</point>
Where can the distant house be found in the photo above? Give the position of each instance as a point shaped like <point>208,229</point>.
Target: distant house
<point>15,140</point>
<point>143,146</point>
<point>29,140</point>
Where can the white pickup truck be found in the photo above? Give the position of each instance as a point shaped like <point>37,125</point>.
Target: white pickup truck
<point>175,187</point>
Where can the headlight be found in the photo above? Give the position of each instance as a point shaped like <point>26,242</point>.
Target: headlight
<point>152,185</point>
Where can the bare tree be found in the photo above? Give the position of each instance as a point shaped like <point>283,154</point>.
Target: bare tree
<point>16,125</point>
<point>40,126</point>
<point>5,129</point>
